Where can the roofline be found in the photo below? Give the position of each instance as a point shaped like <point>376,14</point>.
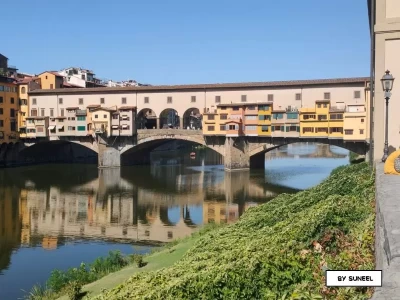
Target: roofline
<point>202,87</point>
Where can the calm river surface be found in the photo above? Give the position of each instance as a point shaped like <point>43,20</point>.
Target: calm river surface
<point>56,216</point>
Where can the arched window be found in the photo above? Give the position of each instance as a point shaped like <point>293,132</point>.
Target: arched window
<point>23,90</point>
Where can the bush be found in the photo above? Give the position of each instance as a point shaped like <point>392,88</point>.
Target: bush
<point>280,249</point>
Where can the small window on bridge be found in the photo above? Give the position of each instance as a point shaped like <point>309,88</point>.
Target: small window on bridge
<point>146,99</point>
<point>102,101</point>
<point>244,98</point>
<point>169,99</point>
<point>217,99</point>
<point>298,96</point>
<point>357,94</point>
<point>193,99</point>
<point>271,97</point>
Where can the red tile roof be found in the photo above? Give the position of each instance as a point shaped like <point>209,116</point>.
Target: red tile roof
<point>214,86</point>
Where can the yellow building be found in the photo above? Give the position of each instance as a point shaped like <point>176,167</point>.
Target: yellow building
<point>24,87</point>
<point>322,121</point>
<point>355,122</point>
<point>8,110</point>
<point>264,119</point>
<point>101,120</point>
<point>211,121</point>
<point>51,80</point>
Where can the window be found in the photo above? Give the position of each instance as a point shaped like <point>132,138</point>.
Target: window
<point>362,120</point>
<point>105,116</point>
<point>60,100</point>
<point>1,99</point>
<point>264,128</point>
<point>123,100</point>
<point>322,129</point>
<point>12,100</point>
<point>278,128</point>
<point>51,112</point>
<point>336,116</point>
<point>80,101</point>
<point>318,105</point>
<point>193,99</point>
<point>115,117</point>
<point>270,97</point>
<point>252,127</point>
<point>42,111</point>
<point>233,127</point>
<point>336,129</point>
<point>1,111</point>
<point>23,90</point>
<point>81,118</point>
<point>277,116</point>
<point>322,118</point>
<point>325,105</point>
<point>348,131</point>
<point>71,128</point>
<point>291,128</point>
<point>264,118</point>
<point>96,116</point>
<point>292,116</point>
<point>210,128</point>
<point>146,100</point>
<point>250,117</point>
<point>1,123</point>
<point>223,108</point>
<point>169,99</point>
<point>263,107</point>
<point>244,98</point>
<point>81,128</point>
<point>357,94</point>
<point>217,99</point>
<point>235,108</point>
<point>308,129</point>
<point>222,127</point>
<point>223,117</point>
<point>51,86</point>
<point>33,113</point>
<point>307,117</point>
<point>327,96</point>
<point>62,112</point>
<point>33,101</point>
<point>102,101</point>
<point>361,131</point>
<point>298,96</point>
<point>210,117</point>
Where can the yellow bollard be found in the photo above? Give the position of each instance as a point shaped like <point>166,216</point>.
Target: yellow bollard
<point>389,164</point>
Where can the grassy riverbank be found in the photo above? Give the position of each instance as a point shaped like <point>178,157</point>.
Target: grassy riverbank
<point>276,250</point>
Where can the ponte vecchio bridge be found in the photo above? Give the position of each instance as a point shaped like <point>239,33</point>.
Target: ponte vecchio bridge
<point>241,122</point>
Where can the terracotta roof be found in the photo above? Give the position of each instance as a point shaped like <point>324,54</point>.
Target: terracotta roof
<point>93,105</point>
<point>232,121</point>
<point>55,73</point>
<point>105,109</point>
<point>215,86</point>
<point>316,101</point>
<point>127,107</point>
<point>72,108</point>
<point>26,80</point>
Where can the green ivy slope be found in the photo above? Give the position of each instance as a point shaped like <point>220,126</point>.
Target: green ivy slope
<point>278,250</point>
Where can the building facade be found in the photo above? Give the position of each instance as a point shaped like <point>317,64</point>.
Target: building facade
<point>386,27</point>
<point>8,110</point>
<point>51,80</point>
<point>24,86</point>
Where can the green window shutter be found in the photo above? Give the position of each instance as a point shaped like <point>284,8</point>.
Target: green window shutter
<point>287,128</point>
<point>261,118</point>
<point>272,128</point>
<point>81,128</point>
<point>298,128</point>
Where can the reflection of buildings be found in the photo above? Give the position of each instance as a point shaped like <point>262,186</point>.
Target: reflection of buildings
<point>10,225</point>
<point>311,151</point>
<point>221,212</point>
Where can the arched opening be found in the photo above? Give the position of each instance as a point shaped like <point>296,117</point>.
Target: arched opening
<point>192,119</point>
<point>169,118</point>
<point>146,119</point>
<point>58,152</point>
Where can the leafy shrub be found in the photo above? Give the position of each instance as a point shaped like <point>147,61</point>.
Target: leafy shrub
<point>74,290</point>
<point>278,250</point>
<point>138,260</point>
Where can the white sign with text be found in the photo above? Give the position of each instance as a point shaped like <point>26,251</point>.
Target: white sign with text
<point>353,278</point>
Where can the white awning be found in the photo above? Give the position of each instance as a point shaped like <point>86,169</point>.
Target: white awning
<point>114,127</point>
<point>124,126</point>
<point>52,127</point>
<point>60,127</point>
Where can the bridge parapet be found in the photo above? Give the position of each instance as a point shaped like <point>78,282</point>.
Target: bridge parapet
<point>154,132</point>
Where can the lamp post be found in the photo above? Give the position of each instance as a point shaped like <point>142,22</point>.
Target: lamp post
<point>387,85</point>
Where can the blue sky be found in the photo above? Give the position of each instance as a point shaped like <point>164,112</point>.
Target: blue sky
<point>176,41</point>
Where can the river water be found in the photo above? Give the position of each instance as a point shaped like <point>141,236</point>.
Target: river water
<point>57,216</point>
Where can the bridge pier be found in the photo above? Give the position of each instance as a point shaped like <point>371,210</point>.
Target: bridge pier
<point>236,154</point>
<point>109,157</point>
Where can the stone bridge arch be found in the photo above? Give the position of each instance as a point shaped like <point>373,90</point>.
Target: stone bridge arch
<point>151,139</point>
